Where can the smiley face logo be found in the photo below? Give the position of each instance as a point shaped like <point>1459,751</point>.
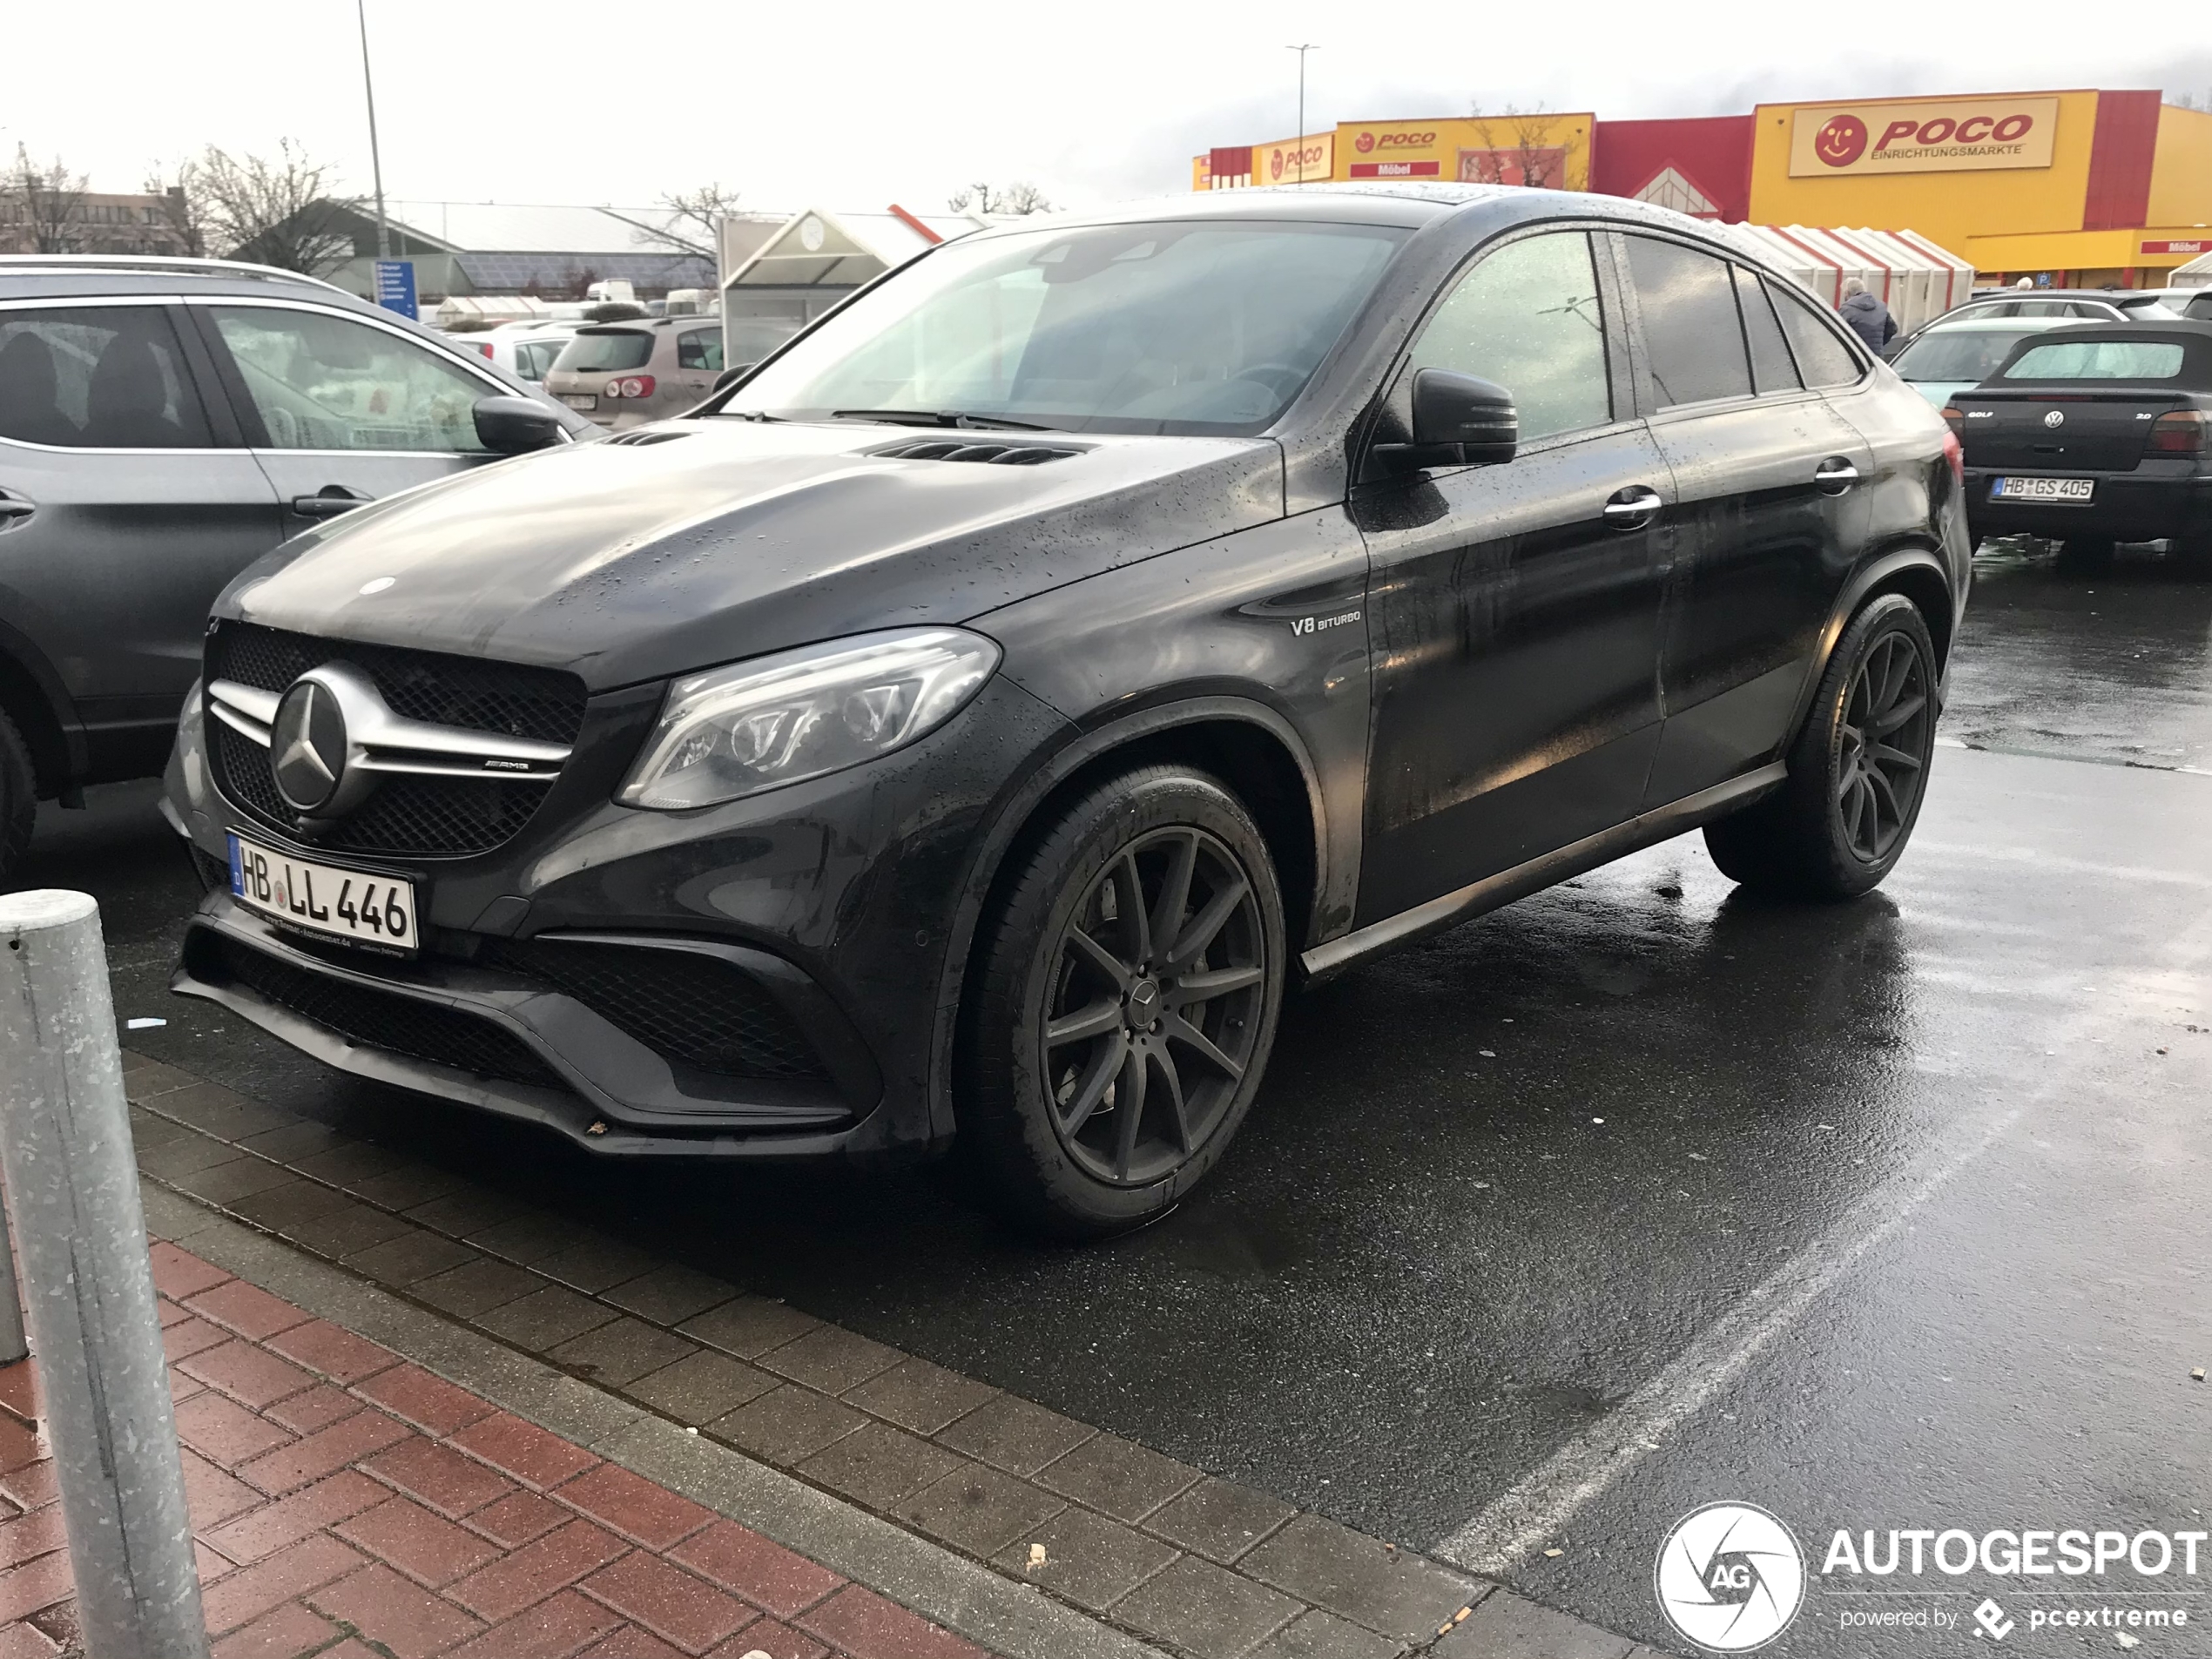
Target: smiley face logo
<point>1364,143</point>
<point>1842,141</point>
<point>1275,165</point>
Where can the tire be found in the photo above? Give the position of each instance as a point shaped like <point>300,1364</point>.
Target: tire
<point>18,795</point>
<point>1838,826</point>
<point>1095,1090</point>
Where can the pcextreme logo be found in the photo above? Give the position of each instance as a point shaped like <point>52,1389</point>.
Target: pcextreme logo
<point>1730,1577</point>
<point>1924,136</point>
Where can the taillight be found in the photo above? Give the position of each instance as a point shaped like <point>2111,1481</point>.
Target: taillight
<point>1955,453</point>
<point>2179,432</point>
<point>628,386</point>
<point>1953,418</point>
<point>484,346</point>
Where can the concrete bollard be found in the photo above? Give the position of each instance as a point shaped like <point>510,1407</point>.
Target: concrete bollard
<point>13,1347</point>
<point>72,1187</point>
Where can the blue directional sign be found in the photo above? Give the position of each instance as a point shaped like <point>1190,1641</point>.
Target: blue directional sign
<point>395,286</point>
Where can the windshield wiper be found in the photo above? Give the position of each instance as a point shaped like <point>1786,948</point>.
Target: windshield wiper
<point>938,417</point>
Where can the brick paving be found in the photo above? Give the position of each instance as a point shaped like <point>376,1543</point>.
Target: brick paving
<point>1197,1565</point>
<point>346,1502</point>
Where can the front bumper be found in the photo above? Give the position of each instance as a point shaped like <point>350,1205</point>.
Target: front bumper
<point>2128,507</point>
<point>819,913</point>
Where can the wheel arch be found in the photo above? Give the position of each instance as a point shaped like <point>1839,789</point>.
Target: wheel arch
<point>1249,745</point>
<point>32,695</point>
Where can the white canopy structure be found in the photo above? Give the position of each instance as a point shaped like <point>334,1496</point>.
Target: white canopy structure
<point>2197,273</point>
<point>779,273</point>
<point>1915,279</point>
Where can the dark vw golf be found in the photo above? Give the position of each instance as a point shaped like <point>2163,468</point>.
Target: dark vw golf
<point>973,722</point>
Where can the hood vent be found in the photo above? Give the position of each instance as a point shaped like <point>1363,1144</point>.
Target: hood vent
<point>993,455</point>
<point>638,439</point>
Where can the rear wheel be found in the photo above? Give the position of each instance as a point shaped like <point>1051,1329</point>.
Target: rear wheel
<point>18,795</point>
<point>1129,979</point>
<point>1857,771</point>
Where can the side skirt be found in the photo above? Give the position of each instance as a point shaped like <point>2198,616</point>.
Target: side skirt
<point>1495,890</point>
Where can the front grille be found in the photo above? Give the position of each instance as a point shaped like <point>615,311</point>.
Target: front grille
<point>379,1019</point>
<point>684,1006</point>
<point>521,702</point>
<point>422,817</point>
<point>214,874</point>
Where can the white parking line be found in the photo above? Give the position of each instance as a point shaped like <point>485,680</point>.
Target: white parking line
<point>1536,1509</point>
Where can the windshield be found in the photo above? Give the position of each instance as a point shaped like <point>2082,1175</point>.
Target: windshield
<point>597,349</point>
<point>1178,328</point>
<point>2097,359</point>
<point>1959,354</point>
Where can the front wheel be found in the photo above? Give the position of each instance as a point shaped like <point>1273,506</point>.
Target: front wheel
<point>1129,977</point>
<point>18,795</point>
<point>1857,771</point>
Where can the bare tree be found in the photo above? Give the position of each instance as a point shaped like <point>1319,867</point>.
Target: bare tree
<point>1011,200</point>
<point>284,211</point>
<point>693,224</point>
<point>183,204</point>
<point>47,202</point>
<point>1517,148</point>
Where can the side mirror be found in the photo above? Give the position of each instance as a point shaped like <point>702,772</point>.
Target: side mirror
<point>515,425</point>
<point>1459,421</point>
<point>732,375</point>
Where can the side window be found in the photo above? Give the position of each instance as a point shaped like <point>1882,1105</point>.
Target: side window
<point>1527,318</point>
<point>702,348</point>
<point>96,377</point>
<point>321,381</point>
<point>1822,358</point>
<point>1771,369</point>
<point>1691,331</point>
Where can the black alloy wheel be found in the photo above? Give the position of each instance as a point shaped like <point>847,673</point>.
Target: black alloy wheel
<point>1122,1001</point>
<point>1154,1012</point>
<point>1859,768</point>
<point>18,795</point>
<point>1887,730</point>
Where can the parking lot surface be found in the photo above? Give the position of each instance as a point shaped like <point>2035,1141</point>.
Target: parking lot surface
<point>1636,1195</point>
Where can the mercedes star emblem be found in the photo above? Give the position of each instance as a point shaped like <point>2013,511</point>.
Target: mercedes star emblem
<point>308,746</point>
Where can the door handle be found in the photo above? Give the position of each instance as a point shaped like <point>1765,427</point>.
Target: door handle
<point>13,511</point>
<point>329,503</point>
<point>1835,476</point>
<point>1632,508</point>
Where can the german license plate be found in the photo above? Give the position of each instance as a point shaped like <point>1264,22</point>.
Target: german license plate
<point>2011,488</point>
<point>376,911</point>
<point>580,399</point>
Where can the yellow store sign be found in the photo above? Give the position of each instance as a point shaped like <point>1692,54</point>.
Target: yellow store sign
<point>1308,160</point>
<point>1925,135</point>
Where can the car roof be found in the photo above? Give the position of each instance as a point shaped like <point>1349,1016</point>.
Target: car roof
<point>1956,324</point>
<point>24,276</point>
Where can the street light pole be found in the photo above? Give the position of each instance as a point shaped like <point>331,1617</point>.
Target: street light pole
<point>1301,50</point>
<point>376,160</point>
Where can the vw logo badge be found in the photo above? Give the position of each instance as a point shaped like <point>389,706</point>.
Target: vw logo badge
<point>2056,417</point>
<point>1730,1577</point>
<point>307,748</point>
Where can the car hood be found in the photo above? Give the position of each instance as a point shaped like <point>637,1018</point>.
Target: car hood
<point>699,542</point>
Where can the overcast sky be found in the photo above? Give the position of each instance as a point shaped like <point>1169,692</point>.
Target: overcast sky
<point>858,104</point>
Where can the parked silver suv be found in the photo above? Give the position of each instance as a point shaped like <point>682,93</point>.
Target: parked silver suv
<point>163,423</point>
<point>643,368</point>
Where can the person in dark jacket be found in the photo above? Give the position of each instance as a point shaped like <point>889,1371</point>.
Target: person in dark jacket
<point>1869,318</point>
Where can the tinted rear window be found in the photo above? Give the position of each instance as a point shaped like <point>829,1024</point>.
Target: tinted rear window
<point>1690,329</point>
<point>2097,359</point>
<point>1958,354</point>
<point>596,349</point>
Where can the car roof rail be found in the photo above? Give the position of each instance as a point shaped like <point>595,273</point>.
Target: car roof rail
<point>155,263</point>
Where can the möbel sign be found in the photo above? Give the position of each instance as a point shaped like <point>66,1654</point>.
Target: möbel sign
<point>1925,135</point>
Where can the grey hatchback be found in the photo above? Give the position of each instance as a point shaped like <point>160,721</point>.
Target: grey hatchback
<point>163,423</point>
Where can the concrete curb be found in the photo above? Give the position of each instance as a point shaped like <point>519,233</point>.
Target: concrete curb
<point>1011,1619</point>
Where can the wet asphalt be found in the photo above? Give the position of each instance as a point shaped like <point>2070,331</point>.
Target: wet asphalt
<point>1636,1195</point>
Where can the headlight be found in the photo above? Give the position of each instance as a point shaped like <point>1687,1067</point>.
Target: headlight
<point>777,719</point>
